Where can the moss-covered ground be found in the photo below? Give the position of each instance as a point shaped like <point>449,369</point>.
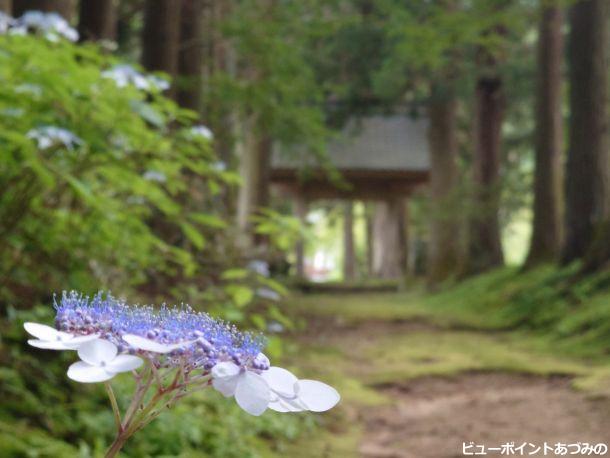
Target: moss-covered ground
<point>505,322</point>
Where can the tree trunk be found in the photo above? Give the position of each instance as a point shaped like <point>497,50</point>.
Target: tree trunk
<point>160,37</point>
<point>98,20</point>
<point>6,6</point>
<point>64,7</point>
<point>368,215</point>
<point>221,58</point>
<point>255,163</point>
<point>546,232</point>
<point>389,239</point>
<point>587,165</point>
<point>300,211</point>
<point>190,55</point>
<point>349,255</point>
<point>443,246</point>
<point>485,248</point>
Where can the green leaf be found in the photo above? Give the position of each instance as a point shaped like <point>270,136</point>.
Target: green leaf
<point>240,295</point>
<point>277,315</point>
<point>234,274</point>
<point>209,220</point>
<point>148,113</point>
<point>275,285</point>
<point>259,321</point>
<point>274,348</point>
<point>193,234</point>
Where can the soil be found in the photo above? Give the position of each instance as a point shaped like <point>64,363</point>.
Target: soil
<point>432,417</point>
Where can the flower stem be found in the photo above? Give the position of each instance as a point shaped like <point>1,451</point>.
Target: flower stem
<point>140,412</point>
<point>117,445</point>
<point>115,406</point>
<point>143,385</point>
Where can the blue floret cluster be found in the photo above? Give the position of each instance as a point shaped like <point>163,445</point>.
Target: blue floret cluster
<point>206,341</point>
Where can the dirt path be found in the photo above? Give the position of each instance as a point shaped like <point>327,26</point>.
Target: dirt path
<point>432,416</point>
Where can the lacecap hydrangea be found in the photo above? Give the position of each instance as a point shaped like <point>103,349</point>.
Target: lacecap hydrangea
<point>171,352</point>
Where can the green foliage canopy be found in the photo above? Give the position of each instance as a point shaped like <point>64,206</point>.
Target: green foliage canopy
<point>94,213</point>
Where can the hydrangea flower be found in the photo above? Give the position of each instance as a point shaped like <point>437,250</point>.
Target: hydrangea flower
<point>51,339</point>
<point>51,25</point>
<point>144,344</point>
<point>259,266</point>
<point>201,131</point>
<point>13,112</point>
<point>6,22</point>
<point>100,361</point>
<point>48,136</point>
<point>275,388</point>
<point>220,166</point>
<point>268,293</point>
<point>31,89</point>
<point>275,327</point>
<point>125,75</point>
<point>171,351</point>
<point>154,175</point>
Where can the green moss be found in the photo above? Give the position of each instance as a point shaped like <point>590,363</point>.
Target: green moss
<point>539,322</point>
<point>331,441</point>
<point>358,308</point>
<point>418,354</point>
<point>572,316</point>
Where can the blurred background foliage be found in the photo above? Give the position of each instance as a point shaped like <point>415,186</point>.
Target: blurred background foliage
<point>129,204</point>
<point>158,186</point>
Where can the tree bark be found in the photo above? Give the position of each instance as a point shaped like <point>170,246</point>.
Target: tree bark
<point>546,232</point>
<point>255,164</point>
<point>190,55</point>
<point>300,211</point>
<point>221,58</point>
<point>349,255</point>
<point>443,246</point>
<point>6,6</point>
<point>97,20</point>
<point>160,37</point>
<point>64,7</point>
<point>389,239</point>
<point>587,164</point>
<point>368,215</point>
<point>485,247</point>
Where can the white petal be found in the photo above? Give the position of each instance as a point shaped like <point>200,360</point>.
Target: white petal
<point>86,373</point>
<point>44,332</point>
<point>284,405</point>
<point>142,343</point>
<point>225,369</point>
<point>317,396</point>
<point>252,393</point>
<point>97,351</point>
<point>224,377</point>
<point>278,406</point>
<point>75,342</point>
<point>280,380</point>
<point>124,363</point>
<point>226,385</point>
<point>293,405</point>
<point>49,344</point>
